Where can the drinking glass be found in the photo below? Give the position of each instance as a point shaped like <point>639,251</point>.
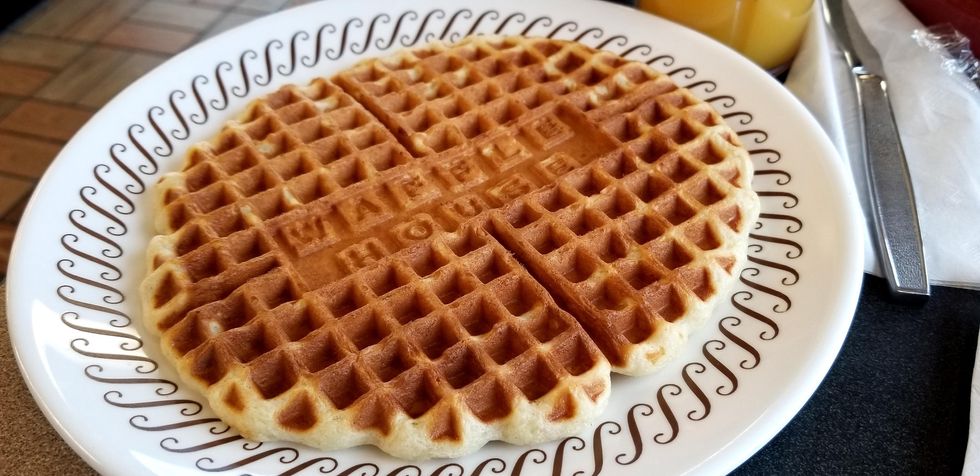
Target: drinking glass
<point>766,31</point>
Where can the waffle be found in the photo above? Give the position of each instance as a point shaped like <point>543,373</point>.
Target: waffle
<point>444,247</point>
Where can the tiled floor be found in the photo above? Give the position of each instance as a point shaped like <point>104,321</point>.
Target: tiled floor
<point>66,58</point>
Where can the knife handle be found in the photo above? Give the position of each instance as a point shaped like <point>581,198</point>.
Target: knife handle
<point>892,200</point>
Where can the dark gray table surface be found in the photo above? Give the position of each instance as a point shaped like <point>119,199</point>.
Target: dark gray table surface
<point>897,399</point>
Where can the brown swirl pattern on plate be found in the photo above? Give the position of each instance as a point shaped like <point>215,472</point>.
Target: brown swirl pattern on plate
<point>97,226</point>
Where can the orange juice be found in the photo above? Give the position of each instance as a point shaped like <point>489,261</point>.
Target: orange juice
<point>767,31</point>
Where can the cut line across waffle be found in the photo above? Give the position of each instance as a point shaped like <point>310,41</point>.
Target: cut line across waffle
<point>448,246</point>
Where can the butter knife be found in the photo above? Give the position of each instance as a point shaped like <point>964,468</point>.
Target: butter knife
<point>892,200</point>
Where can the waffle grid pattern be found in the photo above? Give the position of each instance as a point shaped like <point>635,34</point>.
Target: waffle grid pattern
<point>643,237</point>
<point>446,247</point>
<point>452,333</point>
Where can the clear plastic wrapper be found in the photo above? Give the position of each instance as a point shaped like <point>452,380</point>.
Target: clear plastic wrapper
<point>954,47</point>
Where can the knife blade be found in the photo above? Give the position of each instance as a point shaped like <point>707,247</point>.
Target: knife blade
<point>891,198</point>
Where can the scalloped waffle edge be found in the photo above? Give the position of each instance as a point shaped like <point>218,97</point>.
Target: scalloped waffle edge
<point>448,246</point>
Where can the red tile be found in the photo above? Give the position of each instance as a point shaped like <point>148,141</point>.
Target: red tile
<point>13,215</point>
<point>87,73</point>
<point>8,103</point>
<point>264,6</point>
<point>191,17</point>
<point>12,191</point>
<point>45,119</point>
<point>219,3</point>
<point>38,51</point>
<point>55,16</point>
<point>6,241</point>
<point>26,156</point>
<point>100,21</point>
<point>147,37</point>
<point>21,80</point>
<point>131,69</point>
<point>229,21</point>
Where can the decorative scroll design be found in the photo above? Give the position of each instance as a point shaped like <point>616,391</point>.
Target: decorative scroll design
<point>135,159</point>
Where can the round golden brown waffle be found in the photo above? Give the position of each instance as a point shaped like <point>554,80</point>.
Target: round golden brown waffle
<point>448,246</point>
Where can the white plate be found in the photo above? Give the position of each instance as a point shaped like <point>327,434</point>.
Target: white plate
<point>78,257</point>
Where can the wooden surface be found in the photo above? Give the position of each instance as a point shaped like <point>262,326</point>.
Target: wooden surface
<point>29,444</point>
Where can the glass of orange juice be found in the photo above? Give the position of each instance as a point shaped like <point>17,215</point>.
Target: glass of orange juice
<point>766,31</point>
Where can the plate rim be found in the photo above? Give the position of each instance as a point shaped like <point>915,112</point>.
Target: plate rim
<point>787,410</point>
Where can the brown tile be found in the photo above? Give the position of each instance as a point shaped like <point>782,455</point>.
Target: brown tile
<point>26,156</point>
<point>13,190</point>
<point>14,215</point>
<point>38,51</point>
<point>6,241</point>
<point>45,120</point>
<point>131,69</point>
<point>218,3</point>
<point>21,80</point>
<point>147,37</point>
<point>53,17</point>
<point>228,22</point>
<point>264,6</point>
<point>8,103</point>
<point>106,16</point>
<point>83,75</point>
<point>191,17</point>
